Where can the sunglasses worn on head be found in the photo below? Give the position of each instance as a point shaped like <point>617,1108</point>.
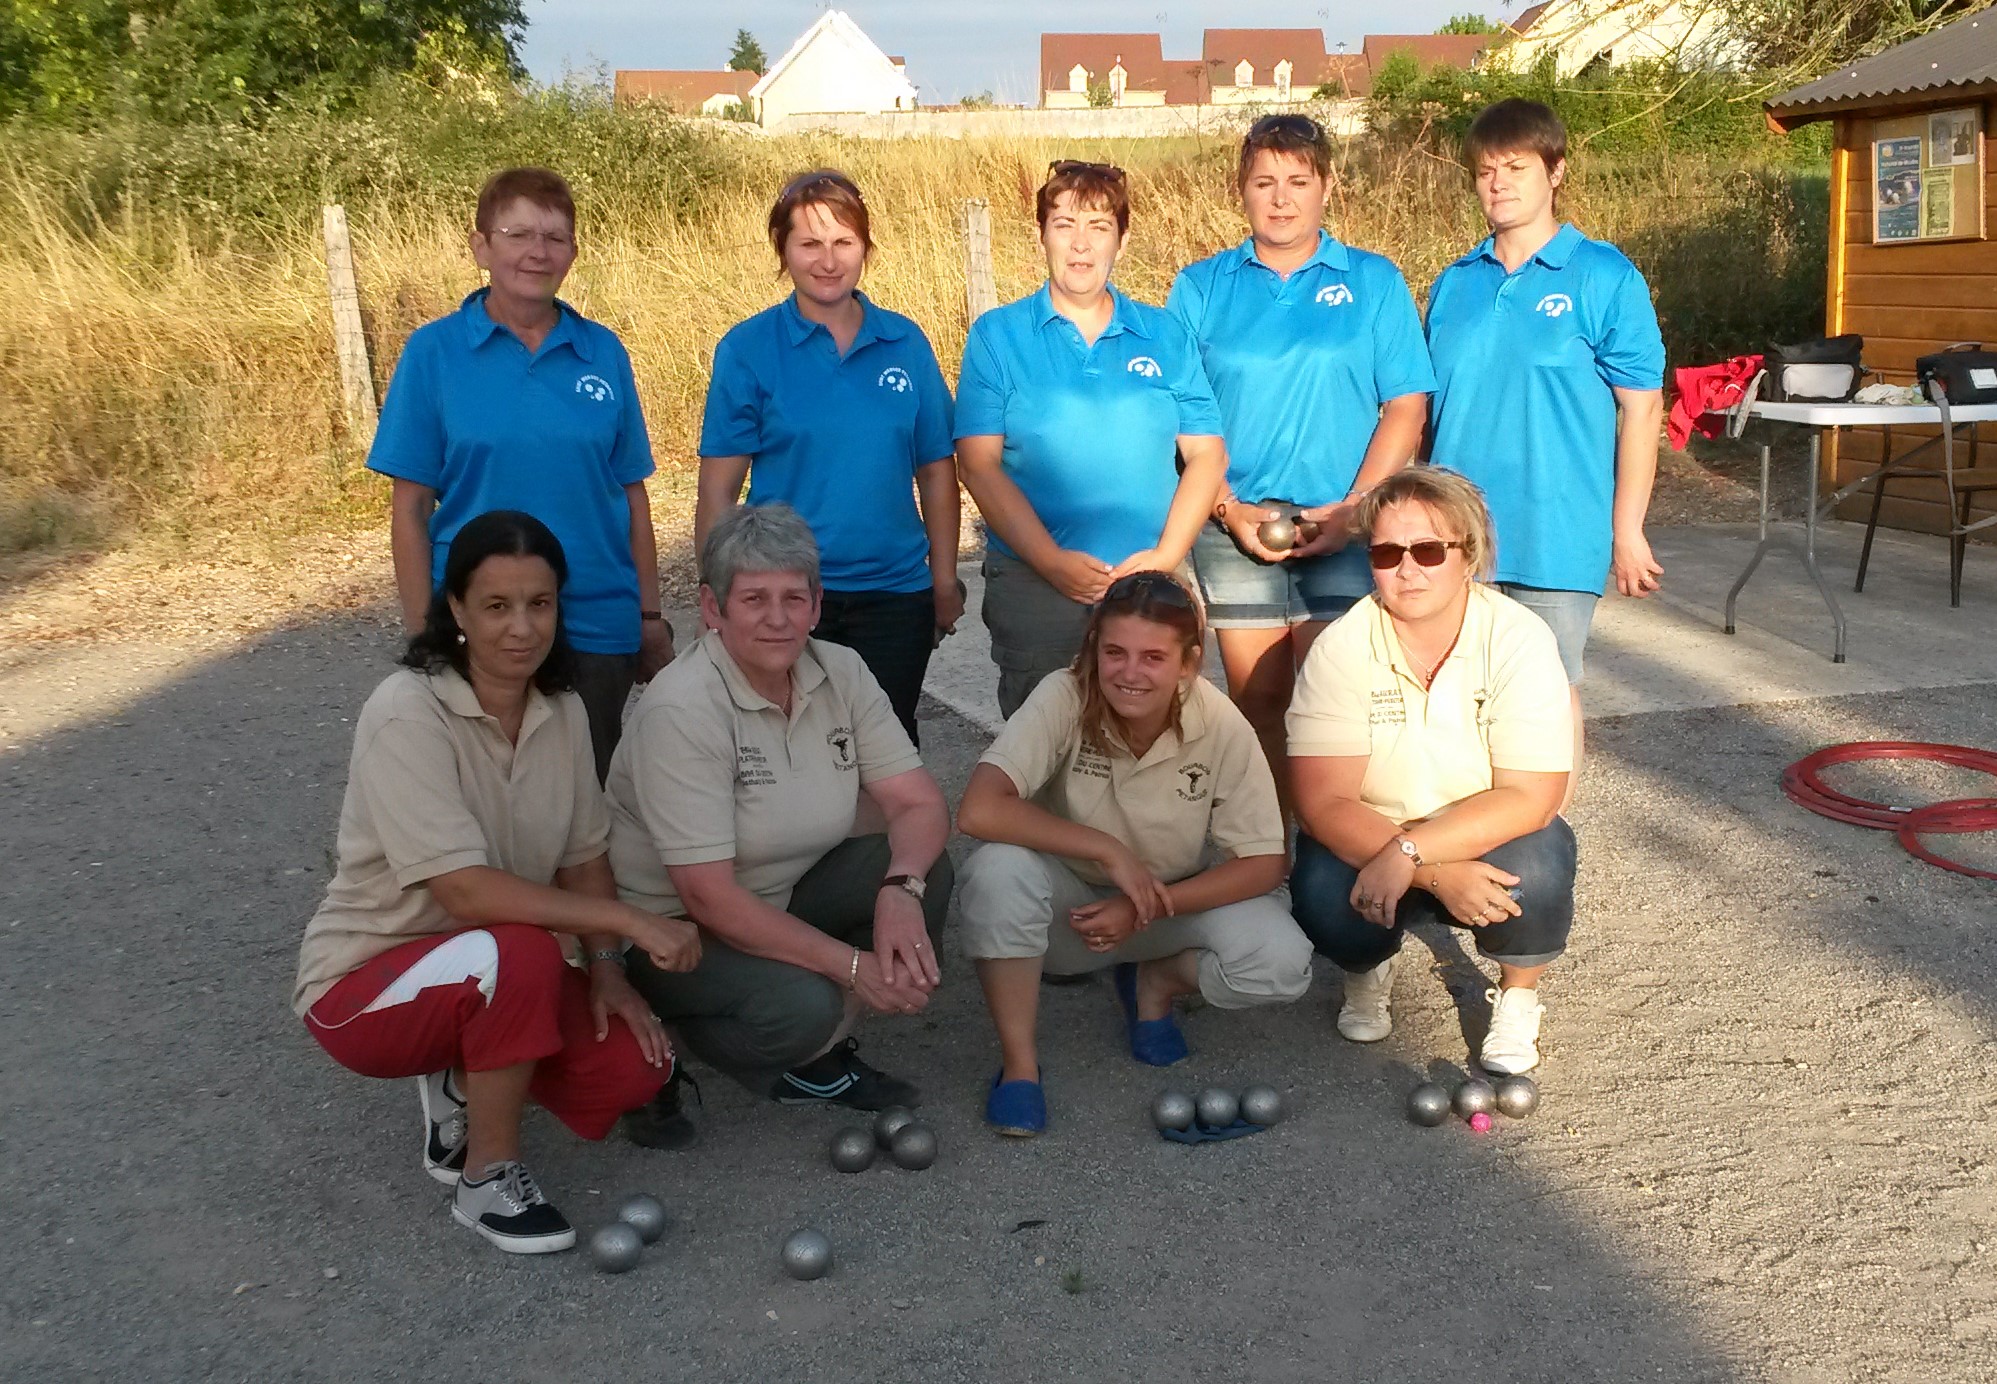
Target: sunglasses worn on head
<point>1159,586</point>
<point>1430,552</point>
<point>1101,170</point>
<point>1301,126</point>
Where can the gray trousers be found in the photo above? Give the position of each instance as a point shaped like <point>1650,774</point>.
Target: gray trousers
<point>1015,903</point>
<point>754,1018</point>
<point>604,682</point>
<point>1035,629</point>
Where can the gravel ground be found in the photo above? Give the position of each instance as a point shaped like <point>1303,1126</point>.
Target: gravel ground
<point>1765,1150</point>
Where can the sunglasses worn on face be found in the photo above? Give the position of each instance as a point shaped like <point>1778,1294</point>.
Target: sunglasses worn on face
<point>1430,552</point>
<point>1101,170</point>
<point>1158,586</point>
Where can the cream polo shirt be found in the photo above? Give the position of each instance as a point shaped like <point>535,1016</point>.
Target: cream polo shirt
<point>435,786</point>
<point>1500,701</point>
<point>709,770</point>
<point>1208,782</point>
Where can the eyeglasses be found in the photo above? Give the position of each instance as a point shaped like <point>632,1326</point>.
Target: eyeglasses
<point>1430,552</point>
<point>1161,587</point>
<point>519,237</point>
<point>1298,126</point>
<point>1060,167</point>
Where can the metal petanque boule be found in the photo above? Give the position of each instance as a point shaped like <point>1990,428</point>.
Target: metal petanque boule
<point>806,1254</point>
<point>890,1122</point>
<point>1517,1096</point>
<point>1261,1105</point>
<point>1474,1097</point>
<point>853,1150</point>
<point>1277,535</point>
<point>616,1247</point>
<point>1216,1108</point>
<point>645,1214</point>
<point>1428,1104</point>
<point>1172,1110</point>
<point>914,1146</point>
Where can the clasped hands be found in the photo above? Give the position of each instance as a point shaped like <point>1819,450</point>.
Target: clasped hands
<point>899,974</point>
<point>1105,924</point>
<point>1470,891</point>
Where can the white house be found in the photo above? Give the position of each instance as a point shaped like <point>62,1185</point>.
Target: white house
<point>832,68</point>
<point>1582,33</point>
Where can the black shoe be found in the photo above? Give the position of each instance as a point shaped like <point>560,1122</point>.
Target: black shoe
<point>509,1210</point>
<point>841,1078</point>
<point>662,1122</point>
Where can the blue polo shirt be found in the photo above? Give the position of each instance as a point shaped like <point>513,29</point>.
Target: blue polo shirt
<point>1301,367</point>
<point>838,439</point>
<point>1526,365</point>
<point>1090,432</point>
<point>476,417</point>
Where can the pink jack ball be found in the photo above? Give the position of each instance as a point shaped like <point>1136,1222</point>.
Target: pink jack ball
<point>1481,1122</point>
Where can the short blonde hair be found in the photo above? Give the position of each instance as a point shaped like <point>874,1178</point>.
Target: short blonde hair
<point>1456,502</point>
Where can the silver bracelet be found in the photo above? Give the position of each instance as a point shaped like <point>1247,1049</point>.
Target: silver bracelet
<point>853,976</point>
<point>606,954</point>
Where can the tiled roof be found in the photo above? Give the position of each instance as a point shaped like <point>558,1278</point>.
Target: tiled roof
<point>1142,56</point>
<point>1222,49</point>
<point>1430,50</point>
<point>683,91</point>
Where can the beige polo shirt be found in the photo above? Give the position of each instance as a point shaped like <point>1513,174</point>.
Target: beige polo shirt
<point>1500,701</point>
<point>435,786</point>
<point>1208,782</point>
<point>709,769</point>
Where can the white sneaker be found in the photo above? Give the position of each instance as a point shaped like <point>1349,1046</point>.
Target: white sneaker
<point>1363,1017</point>
<point>1511,1045</point>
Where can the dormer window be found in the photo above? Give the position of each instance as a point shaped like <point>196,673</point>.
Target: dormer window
<point>1078,78</point>
<point>1283,80</point>
<point>1117,80</point>
<point>1244,73</point>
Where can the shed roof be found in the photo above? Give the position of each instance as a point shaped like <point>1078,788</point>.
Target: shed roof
<point>1958,55</point>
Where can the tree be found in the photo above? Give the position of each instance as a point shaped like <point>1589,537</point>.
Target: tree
<point>77,58</point>
<point>747,55</point>
<point>1797,40</point>
<point>1471,24</point>
<point>1100,95</point>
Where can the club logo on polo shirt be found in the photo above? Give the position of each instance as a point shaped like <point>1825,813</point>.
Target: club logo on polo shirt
<point>1198,779</point>
<point>595,387</point>
<point>1145,366</point>
<point>895,378</point>
<point>840,738</point>
<point>1555,305</point>
<point>1334,295</point>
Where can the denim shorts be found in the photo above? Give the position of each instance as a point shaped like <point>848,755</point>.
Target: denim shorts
<point>1567,613</point>
<point>1246,593</point>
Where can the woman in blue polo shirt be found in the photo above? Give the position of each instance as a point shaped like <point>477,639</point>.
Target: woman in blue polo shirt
<point>517,401</point>
<point>1316,355</point>
<point>836,407</point>
<point>1071,406</point>
<point>1549,385</point>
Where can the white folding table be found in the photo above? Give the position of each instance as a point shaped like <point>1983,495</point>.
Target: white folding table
<point>1816,417</point>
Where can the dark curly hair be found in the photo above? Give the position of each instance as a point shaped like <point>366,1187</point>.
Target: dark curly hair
<point>496,533</point>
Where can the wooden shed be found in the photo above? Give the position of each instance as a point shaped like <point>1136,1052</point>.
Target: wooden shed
<point>1912,266</point>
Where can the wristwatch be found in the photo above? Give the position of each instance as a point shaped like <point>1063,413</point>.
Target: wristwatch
<point>912,884</point>
<point>1409,849</point>
<point>610,954</point>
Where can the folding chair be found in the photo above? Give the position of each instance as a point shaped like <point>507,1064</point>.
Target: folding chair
<point>1962,485</point>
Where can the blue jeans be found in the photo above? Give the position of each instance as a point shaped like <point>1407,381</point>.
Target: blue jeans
<point>1246,593</point>
<point>1544,860</point>
<point>1567,613</point>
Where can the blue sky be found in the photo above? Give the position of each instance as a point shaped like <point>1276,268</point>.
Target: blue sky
<point>953,47</point>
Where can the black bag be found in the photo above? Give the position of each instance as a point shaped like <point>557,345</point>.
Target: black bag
<point>1965,372</point>
<point>1824,371</point>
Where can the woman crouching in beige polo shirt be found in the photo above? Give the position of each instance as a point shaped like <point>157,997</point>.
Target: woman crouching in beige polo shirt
<point>1102,799</point>
<point>473,832</point>
<point>1430,743</point>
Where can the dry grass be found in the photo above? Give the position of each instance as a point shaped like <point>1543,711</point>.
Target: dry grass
<point>176,377</point>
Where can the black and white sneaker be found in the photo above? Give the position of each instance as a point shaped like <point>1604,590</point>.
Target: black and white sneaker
<point>444,1127</point>
<point>841,1078</point>
<point>509,1210</point>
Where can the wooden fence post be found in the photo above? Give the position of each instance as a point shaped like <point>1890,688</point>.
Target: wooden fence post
<point>349,337</point>
<point>980,284</point>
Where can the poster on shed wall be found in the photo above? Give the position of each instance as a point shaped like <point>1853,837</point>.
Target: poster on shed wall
<point>1927,177</point>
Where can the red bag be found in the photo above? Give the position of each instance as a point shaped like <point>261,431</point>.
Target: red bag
<point>1704,394</point>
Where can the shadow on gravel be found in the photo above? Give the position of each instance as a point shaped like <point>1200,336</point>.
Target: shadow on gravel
<point>204,1195</point>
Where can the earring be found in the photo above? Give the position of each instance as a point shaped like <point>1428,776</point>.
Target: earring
<point>461,636</point>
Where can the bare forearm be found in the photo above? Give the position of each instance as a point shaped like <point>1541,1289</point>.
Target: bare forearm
<point>1478,825</point>
<point>1004,506</point>
<point>481,894</point>
<point>592,879</point>
<point>1193,501</point>
<point>1231,881</point>
<point>409,546</point>
<point>749,924</point>
<point>1014,821</point>
<point>1395,440</point>
<point>1642,413</point>
<point>917,833</point>
<point>644,546</point>
<point>942,515</point>
<point>1347,828</point>
<point>717,491</point>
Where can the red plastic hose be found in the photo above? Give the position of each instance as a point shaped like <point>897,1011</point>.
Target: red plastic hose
<point>1957,816</point>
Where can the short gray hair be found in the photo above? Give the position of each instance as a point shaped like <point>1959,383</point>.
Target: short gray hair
<point>757,538</point>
